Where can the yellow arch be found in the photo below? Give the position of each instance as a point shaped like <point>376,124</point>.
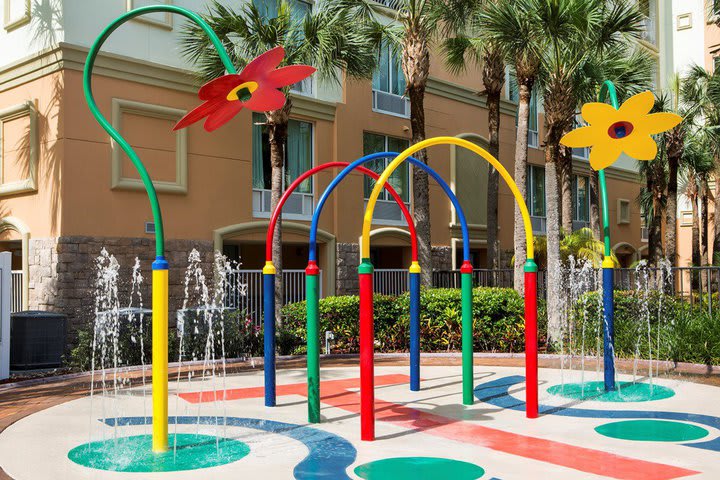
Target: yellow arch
<point>367,220</point>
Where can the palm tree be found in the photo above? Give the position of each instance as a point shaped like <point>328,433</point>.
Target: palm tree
<point>509,26</point>
<point>327,38</point>
<point>571,34</point>
<point>653,202</point>
<point>697,166</point>
<point>469,47</point>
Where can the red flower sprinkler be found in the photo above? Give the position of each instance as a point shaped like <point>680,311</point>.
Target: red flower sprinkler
<point>256,88</point>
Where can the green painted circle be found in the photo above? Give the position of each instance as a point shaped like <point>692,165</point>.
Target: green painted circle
<point>419,468</point>
<point>626,392</point>
<point>652,431</point>
<point>134,454</point>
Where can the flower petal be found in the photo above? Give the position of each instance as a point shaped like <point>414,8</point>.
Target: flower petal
<point>598,114</point>
<point>581,137</point>
<point>223,115</point>
<point>198,113</point>
<point>640,147</point>
<point>637,106</point>
<point>262,65</point>
<point>660,122</point>
<point>219,87</point>
<point>265,99</point>
<point>603,154</point>
<point>289,75</point>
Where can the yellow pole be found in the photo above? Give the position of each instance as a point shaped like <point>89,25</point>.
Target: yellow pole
<point>160,355</point>
<point>380,183</point>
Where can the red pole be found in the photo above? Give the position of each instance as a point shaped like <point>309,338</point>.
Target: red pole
<point>531,343</point>
<point>367,341</point>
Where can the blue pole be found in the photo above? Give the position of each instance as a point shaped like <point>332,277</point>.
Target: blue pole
<point>609,325</point>
<point>414,331</point>
<point>269,334</point>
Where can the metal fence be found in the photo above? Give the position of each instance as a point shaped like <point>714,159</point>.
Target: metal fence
<point>391,281</point>
<point>245,290</point>
<point>17,287</point>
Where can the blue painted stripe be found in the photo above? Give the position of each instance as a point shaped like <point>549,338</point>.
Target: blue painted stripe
<point>329,455</point>
<point>269,338</point>
<point>375,156</point>
<point>497,393</point>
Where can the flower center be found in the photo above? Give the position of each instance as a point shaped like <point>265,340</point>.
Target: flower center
<point>620,130</point>
<point>242,92</point>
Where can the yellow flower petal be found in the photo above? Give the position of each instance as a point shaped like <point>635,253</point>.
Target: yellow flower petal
<point>581,137</point>
<point>637,106</point>
<point>603,154</point>
<point>600,115</point>
<point>640,147</point>
<point>660,122</point>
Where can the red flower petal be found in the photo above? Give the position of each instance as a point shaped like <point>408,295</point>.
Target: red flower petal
<point>265,99</point>
<point>222,115</point>
<point>199,112</point>
<point>259,68</point>
<point>219,87</point>
<point>282,77</point>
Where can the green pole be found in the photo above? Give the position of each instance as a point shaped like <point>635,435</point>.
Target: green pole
<point>313,346</point>
<point>467,337</point>
<point>107,126</point>
<point>607,90</point>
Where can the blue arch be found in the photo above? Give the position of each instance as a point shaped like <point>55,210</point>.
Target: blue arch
<point>368,158</point>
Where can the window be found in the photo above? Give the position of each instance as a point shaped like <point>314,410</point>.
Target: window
<point>581,153</point>
<point>649,31</point>
<point>389,85</point>
<point>644,230</point>
<point>623,211</point>
<point>684,21</point>
<point>536,197</point>
<point>300,8</point>
<point>387,210</point>
<point>514,96</point>
<point>581,202</point>
<point>298,159</point>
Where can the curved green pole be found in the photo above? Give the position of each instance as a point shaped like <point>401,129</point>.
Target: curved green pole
<point>608,90</point>
<point>107,126</point>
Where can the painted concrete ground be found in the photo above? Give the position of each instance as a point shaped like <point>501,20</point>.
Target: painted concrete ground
<point>673,437</point>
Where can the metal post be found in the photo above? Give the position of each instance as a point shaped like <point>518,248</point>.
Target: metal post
<point>415,327</point>
<point>467,333</point>
<point>609,323</point>
<point>531,340</point>
<point>269,333</point>
<point>160,354</point>
<point>367,340</point>
<point>312,275</point>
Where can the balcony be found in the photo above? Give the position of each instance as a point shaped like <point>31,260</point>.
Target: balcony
<point>298,207</point>
<point>389,103</point>
<point>648,33</point>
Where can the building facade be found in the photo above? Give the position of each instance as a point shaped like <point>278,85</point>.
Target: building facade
<point>67,191</point>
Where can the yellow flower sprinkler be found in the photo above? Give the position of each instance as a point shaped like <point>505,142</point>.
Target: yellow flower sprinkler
<point>612,131</point>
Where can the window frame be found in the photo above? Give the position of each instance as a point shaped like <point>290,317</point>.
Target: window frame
<point>258,194</point>
<point>575,203</point>
<point>540,220</point>
<point>533,135</point>
<point>385,197</point>
<point>391,80</point>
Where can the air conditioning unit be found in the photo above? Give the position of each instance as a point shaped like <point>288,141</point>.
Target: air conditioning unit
<point>37,340</point>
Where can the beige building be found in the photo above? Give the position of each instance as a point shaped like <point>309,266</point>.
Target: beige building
<point>66,190</point>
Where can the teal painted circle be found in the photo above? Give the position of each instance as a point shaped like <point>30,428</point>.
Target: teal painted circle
<point>626,392</point>
<point>652,431</point>
<point>419,468</point>
<point>134,454</point>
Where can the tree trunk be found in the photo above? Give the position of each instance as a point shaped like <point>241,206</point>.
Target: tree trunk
<point>554,262</point>
<point>277,137</point>
<point>705,223</point>
<point>716,221</point>
<point>493,81</point>
<point>493,105</point>
<point>595,224</point>
<point>695,231</point>
<point>416,67</point>
<point>521,165</point>
<point>671,212</point>
<point>566,208</point>
<point>655,224</point>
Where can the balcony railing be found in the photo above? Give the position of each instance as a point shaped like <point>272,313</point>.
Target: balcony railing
<point>394,4</point>
<point>390,281</point>
<point>390,103</point>
<point>649,31</point>
<point>298,207</point>
<point>16,303</point>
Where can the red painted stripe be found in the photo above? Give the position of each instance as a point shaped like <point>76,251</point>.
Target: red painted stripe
<point>336,394</point>
<point>531,345</point>
<point>367,358</point>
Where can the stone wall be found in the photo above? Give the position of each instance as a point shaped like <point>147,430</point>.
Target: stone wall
<point>62,272</point>
<point>442,258</point>
<point>348,259</point>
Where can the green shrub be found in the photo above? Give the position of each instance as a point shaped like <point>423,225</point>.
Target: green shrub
<point>498,324</point>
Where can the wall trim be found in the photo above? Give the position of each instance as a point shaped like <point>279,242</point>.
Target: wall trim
<point>118,181</point>
<point>166,24</point>
<point>14,223</point>
<point>463,94</point>
<point>312,107</point>
<point>220,234</point>
<point>13,23</point>
<point>28,184</point>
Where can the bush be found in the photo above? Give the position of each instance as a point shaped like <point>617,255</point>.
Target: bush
<point>661,326</point>
<point>498,324</point>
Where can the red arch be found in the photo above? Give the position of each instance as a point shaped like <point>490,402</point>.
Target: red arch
<point>293,186</point>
